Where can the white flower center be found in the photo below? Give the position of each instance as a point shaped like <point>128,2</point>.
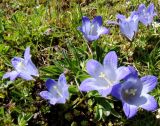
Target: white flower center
<point>21,66</point>
<point>58,91</point>
<point>103,75</point>
<point>93,29</point>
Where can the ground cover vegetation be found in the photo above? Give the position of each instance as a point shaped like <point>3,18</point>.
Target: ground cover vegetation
<point>87,62</point>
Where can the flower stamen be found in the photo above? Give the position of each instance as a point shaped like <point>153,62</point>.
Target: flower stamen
<point>58,91</point>
<point>103,75</point>
<point>131,92</point>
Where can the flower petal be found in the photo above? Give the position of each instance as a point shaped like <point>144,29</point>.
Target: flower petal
<point>122,72</point>
<point>61,100</point>
<point>94,68</point>
<point>120,17</point>
<point>62,80</point>
<point>50,83</point>
<point>126,29</point>
<point>141,8</point>
<point>105,92</point>
<point>62,85</point>
<point>133,73</point>
<point>16,61</point>
<point>103,30</point>
<point>26,76</point>
<point>27,54</point>
<point>150,9</point>
<point>97,20</point>
<point>12,75</point>
<point>66,93</point>
<point>116,91</point>
<point>129,110</point>
<point>53,101</point>
<point>86,25</point>
<point>149,83</point>
<point>91,37</point>
<point>111,59</point>
<point>31,68</point>
<point>90,84</point>
<point>134,21</point>
<point>151,104</point>
<point>46,95</point>
<point>80,29</point>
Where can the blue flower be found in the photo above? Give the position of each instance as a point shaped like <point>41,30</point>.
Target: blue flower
<point>92,30</point>
<point>23,67</point>
<point>146,15</point>
<point>134,93</point>
<point>103,77</point>
<point>57,91</point>
<point>128,26</point>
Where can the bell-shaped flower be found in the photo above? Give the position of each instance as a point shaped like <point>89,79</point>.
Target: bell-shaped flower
<point>103,77</point>
<point>134,93</point>
<point>146,15</point>
<point>57,91</point>
<point>128,26</point>
<point>92,29</point>
<point>23,67</point>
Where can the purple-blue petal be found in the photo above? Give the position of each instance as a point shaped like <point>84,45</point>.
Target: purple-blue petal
<point>116,91</point>
<point>50,83</point>
<point>150,9</point>
<point>62,79</point>
<point>86,25</point>
<point>46,95</point>
<point>90,84</point>
<point>90,38</point>
<point>105,92</point>
<point>133,73</point>
<point>141,8</point>
<point>111,59</point>
<point>15,61</point>
<point>128,28</point>
<point>149,83</point>
<point>80,29</point>
<point>97,20</point>
<point>25,76</point>
<point>129,110</point>
<point>53,101</point>
<point>66,93</point>
<point>120,17</point>
<point>27,55</point>
<point>151,104</point>
<point>146,21</point>
<point>94,68</point>
<point>103,30</point>
<point>122,72</point>
<point>61,100</point>
<point>12,75</point>
<point>31,68</point>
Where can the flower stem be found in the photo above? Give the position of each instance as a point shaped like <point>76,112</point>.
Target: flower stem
<point>90,50</point>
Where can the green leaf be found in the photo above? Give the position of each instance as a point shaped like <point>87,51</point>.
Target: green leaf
<point>116,114</point>
<point>1,111</point>
<point>73,89</point>
<point>104,103</point>
<point>99,112</point>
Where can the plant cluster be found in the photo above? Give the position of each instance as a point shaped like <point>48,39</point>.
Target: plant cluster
<point>106,79</point>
